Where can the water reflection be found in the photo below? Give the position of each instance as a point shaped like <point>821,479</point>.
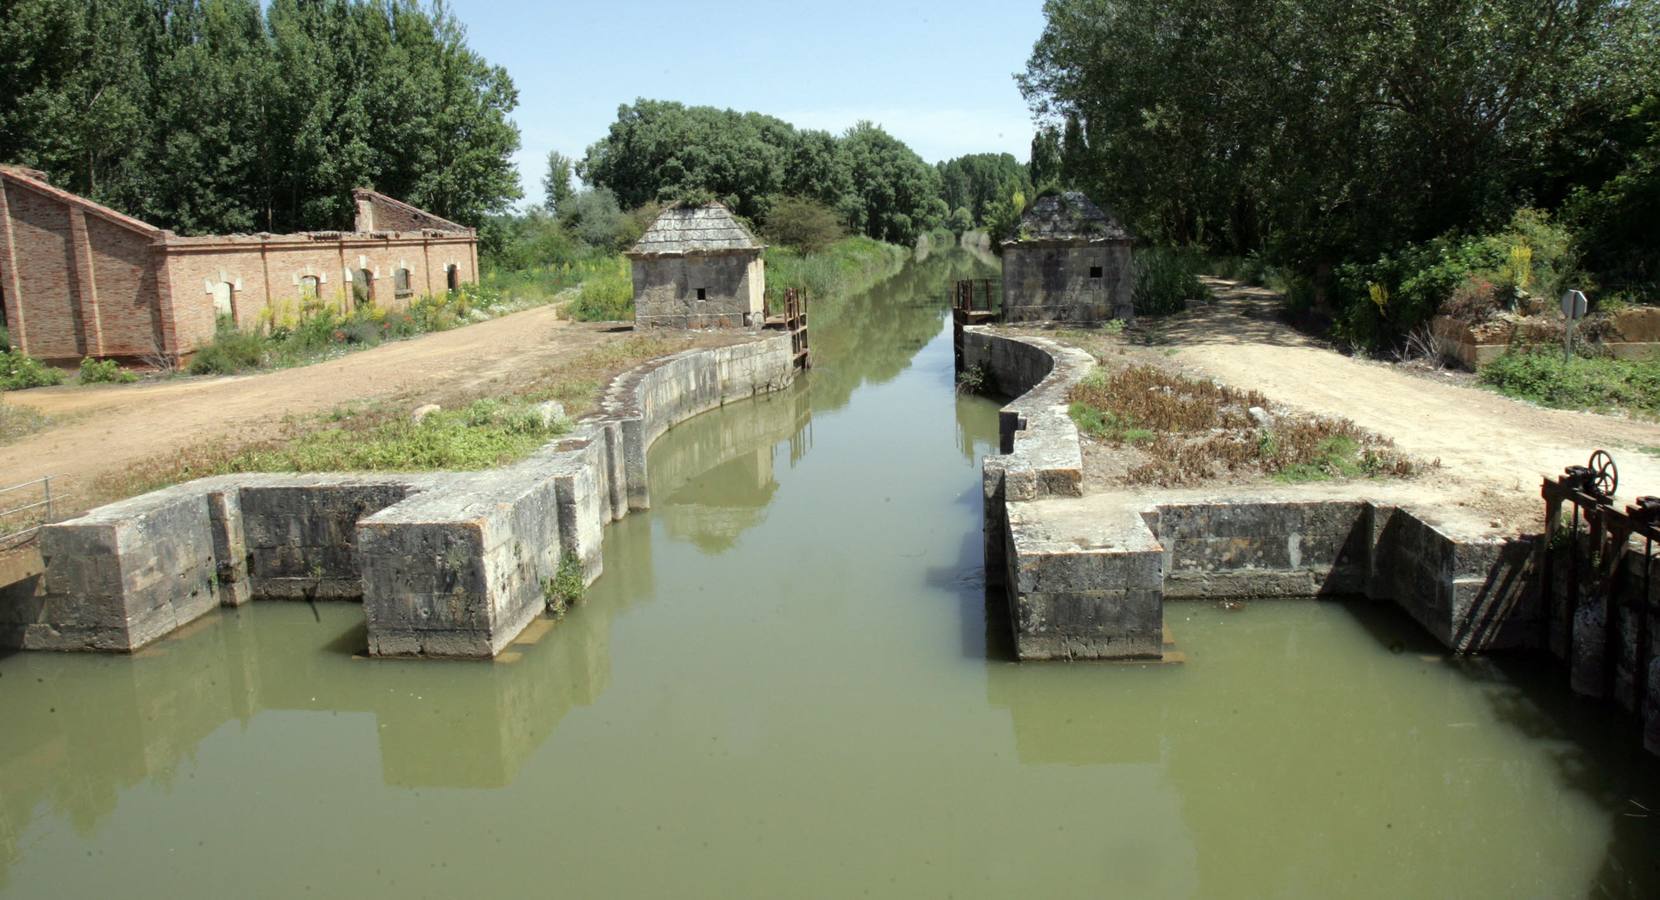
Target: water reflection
<point>791,680</point>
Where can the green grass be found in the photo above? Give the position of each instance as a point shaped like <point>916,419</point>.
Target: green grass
<point>484,434</point>
<point>1337,456</point>
<point>1108,426</point>
<point>848,266</point>
<point>1603,385</point>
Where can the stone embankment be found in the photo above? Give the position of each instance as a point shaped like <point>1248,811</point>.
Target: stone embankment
<point>1087,576</point>
<point>449,564</point>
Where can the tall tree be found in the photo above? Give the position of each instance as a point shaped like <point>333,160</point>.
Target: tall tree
<point>1321,129</point>
<point>556,184</point>
<point>228,115</point>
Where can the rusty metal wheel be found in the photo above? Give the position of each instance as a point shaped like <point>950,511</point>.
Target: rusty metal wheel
<point>1605,476</point>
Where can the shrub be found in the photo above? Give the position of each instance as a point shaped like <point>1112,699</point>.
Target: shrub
<point>106,371</point>
<point>1530,258</point>
<point>802,224</point>
<point>607,296</point>
<point>1165,280</point>
<point>18,372</point>
<point>230,351</point>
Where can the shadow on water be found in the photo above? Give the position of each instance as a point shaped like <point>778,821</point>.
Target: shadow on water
<point>1595,751</point>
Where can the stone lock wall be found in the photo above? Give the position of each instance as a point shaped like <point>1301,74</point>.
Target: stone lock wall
<point>1053,283</point>
<point>446,564</point>
<point>1087,577</point>
<point>665,290</point>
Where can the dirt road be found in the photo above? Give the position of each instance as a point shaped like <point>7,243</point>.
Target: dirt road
<point>1485,442</point>
<point>99,430</point>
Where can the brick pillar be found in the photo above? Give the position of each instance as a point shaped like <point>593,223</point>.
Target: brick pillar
<point>86,284</point>
<point>426,262</point>
<point>164,304</point>
<point>8,271</point>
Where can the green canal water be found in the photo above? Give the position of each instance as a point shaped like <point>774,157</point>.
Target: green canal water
<point>789,682</point>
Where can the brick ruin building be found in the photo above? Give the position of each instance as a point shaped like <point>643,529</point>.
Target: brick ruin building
<point>1069,261</point>
<point>698,267</point>
<point>80,279</point>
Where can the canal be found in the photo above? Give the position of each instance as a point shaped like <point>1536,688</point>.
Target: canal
<point>789,682</point>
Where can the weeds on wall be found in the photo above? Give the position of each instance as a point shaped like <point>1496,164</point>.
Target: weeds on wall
<point>297,332</point>
<point>565,588</point>
<point>1192,431</point>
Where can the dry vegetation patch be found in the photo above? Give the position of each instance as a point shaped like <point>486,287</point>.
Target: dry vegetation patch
<point>1184,431</point>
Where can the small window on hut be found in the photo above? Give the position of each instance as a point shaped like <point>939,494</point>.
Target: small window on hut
<point>400,283</point>
<point>1095,271</point>
<point>310,287</point>
<point>702,294</point>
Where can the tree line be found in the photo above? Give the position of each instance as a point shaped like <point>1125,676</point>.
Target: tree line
<point>1317,133</point>
<point>210,116</point>
<point>659,152</point>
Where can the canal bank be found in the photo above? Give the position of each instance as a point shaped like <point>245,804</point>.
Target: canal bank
<point>789,680</point>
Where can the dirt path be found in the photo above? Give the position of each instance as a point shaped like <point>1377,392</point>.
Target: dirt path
<point>103,429</point>
<point>1492,446</point>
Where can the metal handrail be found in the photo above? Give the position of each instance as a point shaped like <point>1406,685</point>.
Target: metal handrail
<point>45,485</point>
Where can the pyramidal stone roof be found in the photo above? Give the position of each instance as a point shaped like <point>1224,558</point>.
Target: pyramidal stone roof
<point>1067,217</point>
<point>710,228</point>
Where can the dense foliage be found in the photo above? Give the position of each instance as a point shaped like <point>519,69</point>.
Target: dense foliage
<point>236,115</point>
<point>659,151</point>
<point>1318,134</point>
<point>978,180</point>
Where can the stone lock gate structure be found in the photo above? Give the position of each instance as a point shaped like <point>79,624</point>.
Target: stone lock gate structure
<point>1089,577</point>
<point>450,564</point>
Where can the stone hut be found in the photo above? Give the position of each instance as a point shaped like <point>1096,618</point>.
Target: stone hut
<point>1068,262</point>
<point>79,279</point>
<point>698,267</point>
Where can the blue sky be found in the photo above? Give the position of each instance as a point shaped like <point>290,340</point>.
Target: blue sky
<point>938,76</point>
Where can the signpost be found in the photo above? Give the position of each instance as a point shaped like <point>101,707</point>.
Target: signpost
<point>1573,309</point>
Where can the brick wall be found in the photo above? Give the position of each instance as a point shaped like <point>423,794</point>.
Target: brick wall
<point>124,263</point>
<point>88,281</point>
<point>45,272</point>
<point>265,275</point>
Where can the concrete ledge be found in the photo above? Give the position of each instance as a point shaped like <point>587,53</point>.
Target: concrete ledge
<point>446,564</point>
